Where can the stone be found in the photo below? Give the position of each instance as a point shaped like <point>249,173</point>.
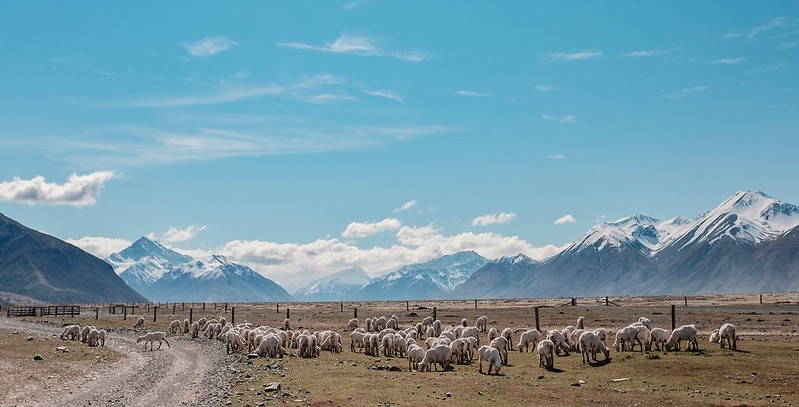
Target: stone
<point>252,355</point>
<point>38,357</point>
<point>274,386</point>
<point>62,349</point>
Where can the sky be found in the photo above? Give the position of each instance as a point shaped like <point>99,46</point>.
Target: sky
<point>305,138</point>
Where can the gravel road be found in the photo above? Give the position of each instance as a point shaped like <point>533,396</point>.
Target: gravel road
<point>190,373</point>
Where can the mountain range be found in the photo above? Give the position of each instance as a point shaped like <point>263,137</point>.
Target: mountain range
<point>163,274</point>
<point>38,267</point>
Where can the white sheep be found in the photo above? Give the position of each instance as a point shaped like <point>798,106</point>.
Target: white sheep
<point>527,338</point>
<point>464,323</point>
<point>481,323</point>
<point>71,332</point>
<point>460,350</point>
<point>490,355</point>
<point>84,332</point>
<point>186,326</point>
<point>139,323</point>
<point>195,329</point>
<point>353,324</point>
<point>580,323</point>
<point>507,333</point>
<point>727,332</point>
<point>174,327</point>
<point>233,341</point>
<point>439,354</point>
<point>492,333</point>
<point>101,337</point>
<point>546,354</point>
<point>557,338</point>
<point>602,333</point>
<point>646,322</point>
<point>357,341</point>
<point>368,323</point>
<point>400,346</point>
<point>93,337</point>
<point>415,356</point>
<point>683,333</point>
<point>502,345</point>
<point>590,344</point>
<point>287,325</point>
<point>151,337</point>
<point>643,337</point>
<point>574,339</point>
<point>624,337</point>
<point>659,338</point>
<point>387,345</point>
<point>436,327</point>
<point>471,332</point>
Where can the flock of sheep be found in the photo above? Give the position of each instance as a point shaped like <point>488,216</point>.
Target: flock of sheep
<point>428,344</point>
<point>88,334</point>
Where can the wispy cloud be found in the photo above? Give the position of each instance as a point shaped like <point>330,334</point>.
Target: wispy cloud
<point>568,119</point>
<point>684,92</point>
<point>79,190</point>
<point>786,45</point>
<point>101,247</point>
<point>365,229</point>
<point>209,46</point>
<point>324,98</point>
<point>471,93</point>
<point>178,235</point>
<point>384,94</point>
<point>729,61</point>
<point>407,205</point>
<point>650,53</point>
<point>544,88</point>
<point>575,56</point>
<point>556,157</point>
<point>359,45</point>
<point>565,219</point>
<point>493,219</point>
<point>752,33</point>
<point>355,4</point>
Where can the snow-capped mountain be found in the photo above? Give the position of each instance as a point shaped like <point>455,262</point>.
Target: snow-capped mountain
<point>339,286</point>
<point>166,275</point>
<point>750,242</point>
<point>432,279</point>
<point>494,278</point>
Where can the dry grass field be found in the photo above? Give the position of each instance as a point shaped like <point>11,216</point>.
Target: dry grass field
<point>763,372</point>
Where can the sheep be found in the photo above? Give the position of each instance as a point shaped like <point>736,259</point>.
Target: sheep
<point>84,332</point>
<point>304,346</point>
<point>270,346</point>
<point>471,332</point>
<point>460,350</point>
<point>287,325</point>
<point>546,354</point>
<point>427,321</point>
<point>101,337</point>
<point>464,323</point>
<point>151,337</point>
<point>492,333</point>
<point>589,342</point>
<point>234,341</point>
<point>646,322</point>
<point>507,333</point>
<point>557,338</point>
<point>139,323</point>
<point>714,336</point>
<point>368,324</point>
<point>502,345</point>
<point>490,355</point>
<point>93,337</point>
<point>430,332</point>
<point>643,337</point>
<point>574,339</point>
<point>379,324</point>
<point>602,334</point>
<point>195,329</point>
<point>659,337</point>
<point>481,323</point>
<point>727,332</point>
<point>683,333</point>
<point>392,323</point>
<point>387,344</point>
<point>186,326</point>
<point>623,337</point>
<point>528,337</point>
<point>400,346</point>
<point>440,354</point>
<point>437,327</point>
<point>473,346</point>
<point>415,355</point>
<point>70,331</point>
<point>449,335</point>
<point>202,322</point>
<point>353,324</point>
<point>357,341</point>
<point>174,327</point>
<point>580,323</point>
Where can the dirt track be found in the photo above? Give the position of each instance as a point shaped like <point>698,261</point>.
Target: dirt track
<point>172,376</point>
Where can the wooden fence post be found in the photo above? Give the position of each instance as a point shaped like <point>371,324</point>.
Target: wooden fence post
<point>232,315</point>
<point>288,313</point>
<point>435,311</point>
<point>475,303</point>
<point>673,318</point>
<point>355,312</point>
<point>225,308</point>
<point>155,313</point>
<point>537,323</point>
<point>125,313</point>
<point>97,313</point>
<point>277,308</point>
<point>686,300</point>
<point>342,307</point>
<point>203,306</point>
<point>574,302</point>
<point>407,306</point>
<point>607,301</point>
<point>191,315</point>
<point>761,299</point>
<point>173,308</point>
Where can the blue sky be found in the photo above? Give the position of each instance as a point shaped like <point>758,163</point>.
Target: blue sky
<point>290,136</point>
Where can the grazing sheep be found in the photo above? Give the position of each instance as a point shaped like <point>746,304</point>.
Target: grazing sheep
<point>646,322</point>
<point>368,324</point>
<point>472,346</point>
<point>202,322</point>
<point>502,345</point>
<point>436,327</point>
<point>546,354</point>
<point>659,338</point>
<point>400,346</point>
<point>195,329</point>
<point>574,339</point>
<point>186,326</point>
<point>234,341</point>
<point>490,355</point>
<point>440,354</point>
<point>683,333</point>
<point>93,337</point>
<point>643,337</point>
<point>387,345</point>
<point>353,324</point>
<point>625,336</point>
<point>84,332</point>
<point>287,325</point>
<point>507,333</point>
<point>460,350</point>
<point>151,337</point>
<point>481,323</point>
<point>71,332</point>
<point>602,334</point>
<point>427,321</point>
<point>471,332</point>
<point>357,341</point>
<point>174,327</point>
<point>392,322</point>
<point>492,333</point>
<point>714,336</point>
<point>727,332</point>
<point>464,323</point>
<point>139,323</point>
<point>528,337</point>
<point>557,338</point>
<point>415,356</point>
<point>101,337</point>
<point>580,323</point>
<point>590,343</point>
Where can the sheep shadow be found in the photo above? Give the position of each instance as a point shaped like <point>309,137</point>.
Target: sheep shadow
<point>599,363</point>
<point>555,370</point>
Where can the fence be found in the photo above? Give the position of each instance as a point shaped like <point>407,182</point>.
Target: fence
<point>50,310</point>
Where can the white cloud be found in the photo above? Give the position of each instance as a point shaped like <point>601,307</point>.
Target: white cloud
<point>324,98</point>
<point>556,157</point>
<point>359,45</point>
<point>79,190</point>
<point>684,92</point>
<point>544,88</point>
<point>568,119</point>
<point>364,229</point>
<point>752,33</point>
<point>493,219</point>
<point>176,235</point>
<point>209,46</point>
<point>101,247</point>
<point>407,205</point>
<point>565,219</point>
<point>575,56</point>
<point>650,53</point>
<point>472,93</point>
<point>384,94</point>
<point>729,61</point>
